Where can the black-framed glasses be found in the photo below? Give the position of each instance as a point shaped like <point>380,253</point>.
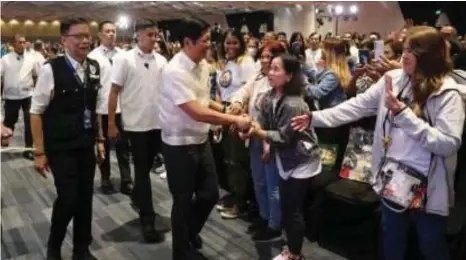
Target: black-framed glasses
<point>80,36</point>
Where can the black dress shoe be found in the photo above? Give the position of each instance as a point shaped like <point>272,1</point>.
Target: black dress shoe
<point>197,242</point>
<point>83,255</point>
<point>151,235</point>
<point>53,254</point>
<point>126,188</point>
<point>107,187</point>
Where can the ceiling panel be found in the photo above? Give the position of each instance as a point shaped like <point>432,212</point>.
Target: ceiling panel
<point>111,10</point>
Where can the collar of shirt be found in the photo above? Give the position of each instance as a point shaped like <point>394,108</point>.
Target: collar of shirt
<point>76,65</point>
<point>190,64</point>
<point>19,55</point>
<point>145,56</point>
<point>108,52</point>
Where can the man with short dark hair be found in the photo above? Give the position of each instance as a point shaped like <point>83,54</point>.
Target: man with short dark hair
<point>186,112</point>
<point>19,71</point>
<point>104,55</point>
<point>135,82</point>
<point>64,129</point>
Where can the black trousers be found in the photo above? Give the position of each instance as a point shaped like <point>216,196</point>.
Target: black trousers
<point>73,173</point>
<point>144,147</point>
<point>190,171</point>
<point>236,158</point>
<point>12,108</point>
<point>293,195</point>
<point>122,152</point>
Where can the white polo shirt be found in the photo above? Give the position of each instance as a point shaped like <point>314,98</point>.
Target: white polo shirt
<point>17,72</point>
<point>139,76</point>
<point>105,57</point>
<point>183,81</point>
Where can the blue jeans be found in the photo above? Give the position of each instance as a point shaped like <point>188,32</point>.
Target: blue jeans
<point>266,181</point>
<point>430,231</point>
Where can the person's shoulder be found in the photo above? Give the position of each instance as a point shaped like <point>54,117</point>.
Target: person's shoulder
<point>93,53</point>
<point>160,58</point>
<point>295,103</point>
<point>7,56</point>
<point>395,74</point>
<point>245,59</point>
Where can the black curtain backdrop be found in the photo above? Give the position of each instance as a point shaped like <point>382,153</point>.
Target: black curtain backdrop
<point>253,20</point>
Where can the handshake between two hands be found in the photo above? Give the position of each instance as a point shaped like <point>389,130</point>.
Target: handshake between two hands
<point>245,127</point>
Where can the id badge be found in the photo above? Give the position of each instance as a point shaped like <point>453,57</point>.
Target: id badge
<point>87,119</point>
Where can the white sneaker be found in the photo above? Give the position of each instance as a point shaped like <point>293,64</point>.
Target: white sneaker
<point>283,255</point>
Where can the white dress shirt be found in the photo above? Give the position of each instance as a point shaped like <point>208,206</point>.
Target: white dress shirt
<point>43,92</point>
<point>139,76</point>
<point>312,57</point>
<point>105,57</point>
<point>183,81</point>
<point>17,72</point>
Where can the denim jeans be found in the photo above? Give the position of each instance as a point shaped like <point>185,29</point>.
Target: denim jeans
<point>430,231</point>
<point>266,185</point>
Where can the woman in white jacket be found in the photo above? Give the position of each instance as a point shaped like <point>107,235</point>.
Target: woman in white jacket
<point>420,116</point>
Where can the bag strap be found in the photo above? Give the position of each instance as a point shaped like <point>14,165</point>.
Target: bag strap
<point>384,202</point>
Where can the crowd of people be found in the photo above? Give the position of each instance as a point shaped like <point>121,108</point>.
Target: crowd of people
<point>258,118</point>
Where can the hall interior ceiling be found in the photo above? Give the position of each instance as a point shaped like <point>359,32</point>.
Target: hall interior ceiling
<point>110,10</point>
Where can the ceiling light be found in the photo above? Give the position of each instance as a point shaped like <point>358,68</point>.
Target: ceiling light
<point>28,23</point>
<point>339,9</point>
<point>299,7</point>
<point>123,22</point>
<point>13,22</point>
<point>56,23</point>
<point>94,24</point>
<point>42,23</point>
<point>353,9</point>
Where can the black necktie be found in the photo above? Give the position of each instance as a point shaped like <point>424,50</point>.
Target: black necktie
<point>146,65</point>
<point>111,61</point>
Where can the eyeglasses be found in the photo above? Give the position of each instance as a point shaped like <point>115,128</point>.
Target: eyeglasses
<point>79,36</point>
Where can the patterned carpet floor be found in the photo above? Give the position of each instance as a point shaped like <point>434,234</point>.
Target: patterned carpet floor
<point>27,198</point>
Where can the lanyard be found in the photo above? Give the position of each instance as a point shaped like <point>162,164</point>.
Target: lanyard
<point>387,140</point>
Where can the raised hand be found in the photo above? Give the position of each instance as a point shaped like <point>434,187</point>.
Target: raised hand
<point>391,102</point>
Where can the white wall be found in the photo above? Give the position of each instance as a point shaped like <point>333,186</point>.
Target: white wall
<point>294,19</point>
<point>378,16</point>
